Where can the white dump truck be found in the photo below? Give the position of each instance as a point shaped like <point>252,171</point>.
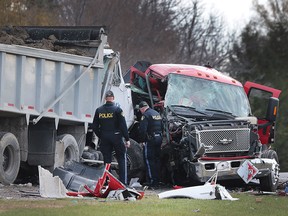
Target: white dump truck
<point>51,81</point>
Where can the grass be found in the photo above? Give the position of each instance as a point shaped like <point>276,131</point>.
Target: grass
<point>150,205</point>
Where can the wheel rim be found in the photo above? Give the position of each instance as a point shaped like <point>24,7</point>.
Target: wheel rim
<point>68,154</point>
<point>129,164</point>
<point>275,174</point>
<point>128,160</point>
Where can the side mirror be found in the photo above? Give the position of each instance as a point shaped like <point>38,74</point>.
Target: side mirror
<point>272,109</point>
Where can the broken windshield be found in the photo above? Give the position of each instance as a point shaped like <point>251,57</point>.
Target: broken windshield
<point>203,94</point>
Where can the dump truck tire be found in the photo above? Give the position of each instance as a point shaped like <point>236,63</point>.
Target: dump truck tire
<point>71,149</point>
<point>9,158</point>
<point>270,182</point>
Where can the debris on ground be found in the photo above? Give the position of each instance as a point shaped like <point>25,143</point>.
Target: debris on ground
<point>80,180</point>
<point>28,189</point>
<point>210,190</point>
<point>19,191</point>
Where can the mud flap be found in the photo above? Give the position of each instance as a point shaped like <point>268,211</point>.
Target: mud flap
<point>75,175</point>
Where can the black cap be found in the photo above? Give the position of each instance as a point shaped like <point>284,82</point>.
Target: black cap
<point>143,104</point>
<point>109,94</point>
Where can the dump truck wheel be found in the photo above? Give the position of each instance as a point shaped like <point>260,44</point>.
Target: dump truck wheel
<point>270,182</point>
<point>71,149</point>
<point>9,158</point>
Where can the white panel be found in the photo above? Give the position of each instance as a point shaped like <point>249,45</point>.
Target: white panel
<point>9,96</point>
<point>68,100</point>
<point>49,90</point>
<point>29,85</point>
<point>86,93</point>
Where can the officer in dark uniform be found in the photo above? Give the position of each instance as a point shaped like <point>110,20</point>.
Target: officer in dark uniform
<point>110,126</point>
<point>150,130</point>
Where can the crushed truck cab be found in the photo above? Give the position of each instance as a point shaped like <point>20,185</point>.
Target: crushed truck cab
<point>208,121</point>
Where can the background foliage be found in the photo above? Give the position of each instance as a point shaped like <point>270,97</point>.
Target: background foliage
<point>166,31</point>
<point>261,56</point>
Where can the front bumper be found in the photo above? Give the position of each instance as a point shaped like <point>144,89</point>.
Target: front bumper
<point>227,170</point>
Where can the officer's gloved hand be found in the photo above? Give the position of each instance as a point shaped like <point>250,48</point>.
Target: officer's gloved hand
<point>127,144</point>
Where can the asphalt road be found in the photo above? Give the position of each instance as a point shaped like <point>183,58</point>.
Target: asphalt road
<point>283,177</point>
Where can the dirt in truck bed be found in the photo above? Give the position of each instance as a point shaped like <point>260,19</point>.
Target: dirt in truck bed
<point>18,36</point>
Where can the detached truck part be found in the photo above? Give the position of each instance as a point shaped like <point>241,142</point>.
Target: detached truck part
<point>48,98</point>
<point>208,122</point>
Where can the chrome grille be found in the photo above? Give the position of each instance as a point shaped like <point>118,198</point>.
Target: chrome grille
<point>225,140</point>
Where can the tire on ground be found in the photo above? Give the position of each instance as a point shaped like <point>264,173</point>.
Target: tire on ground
<point>135,160</point>
<point>271,181</point>
<point>9,158</point>
<point>71,149</point>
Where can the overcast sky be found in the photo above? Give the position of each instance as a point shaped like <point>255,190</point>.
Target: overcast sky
<point>235,12</point>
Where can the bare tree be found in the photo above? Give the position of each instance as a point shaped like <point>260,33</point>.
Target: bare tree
<point>139,29</point>
<point>159,31</point>
<point>203,38</point>
<point>261,56</point>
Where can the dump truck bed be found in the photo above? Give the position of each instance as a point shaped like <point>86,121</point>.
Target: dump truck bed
<point>43,83</point>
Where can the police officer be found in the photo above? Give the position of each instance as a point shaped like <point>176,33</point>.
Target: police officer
<point>110,126</point>
<point>150,131</point>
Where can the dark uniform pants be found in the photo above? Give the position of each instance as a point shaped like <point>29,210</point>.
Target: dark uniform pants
<point>151,151</point>
<point>109,142</point>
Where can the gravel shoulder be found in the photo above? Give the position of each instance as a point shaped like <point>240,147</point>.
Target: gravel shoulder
<point>19,191</point>
<point>29,191</point>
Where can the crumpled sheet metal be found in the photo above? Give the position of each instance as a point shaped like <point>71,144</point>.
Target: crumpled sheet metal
<point>207,191</point>
<point>82,180</point>
<point>210,190</point>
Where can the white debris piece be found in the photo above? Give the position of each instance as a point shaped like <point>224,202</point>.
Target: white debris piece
<point>50,186</point>
<point>210,190</point>
<point>207,191</point>
<point>247,171</point>
<point>122,194</point>
<point>134,183</point>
